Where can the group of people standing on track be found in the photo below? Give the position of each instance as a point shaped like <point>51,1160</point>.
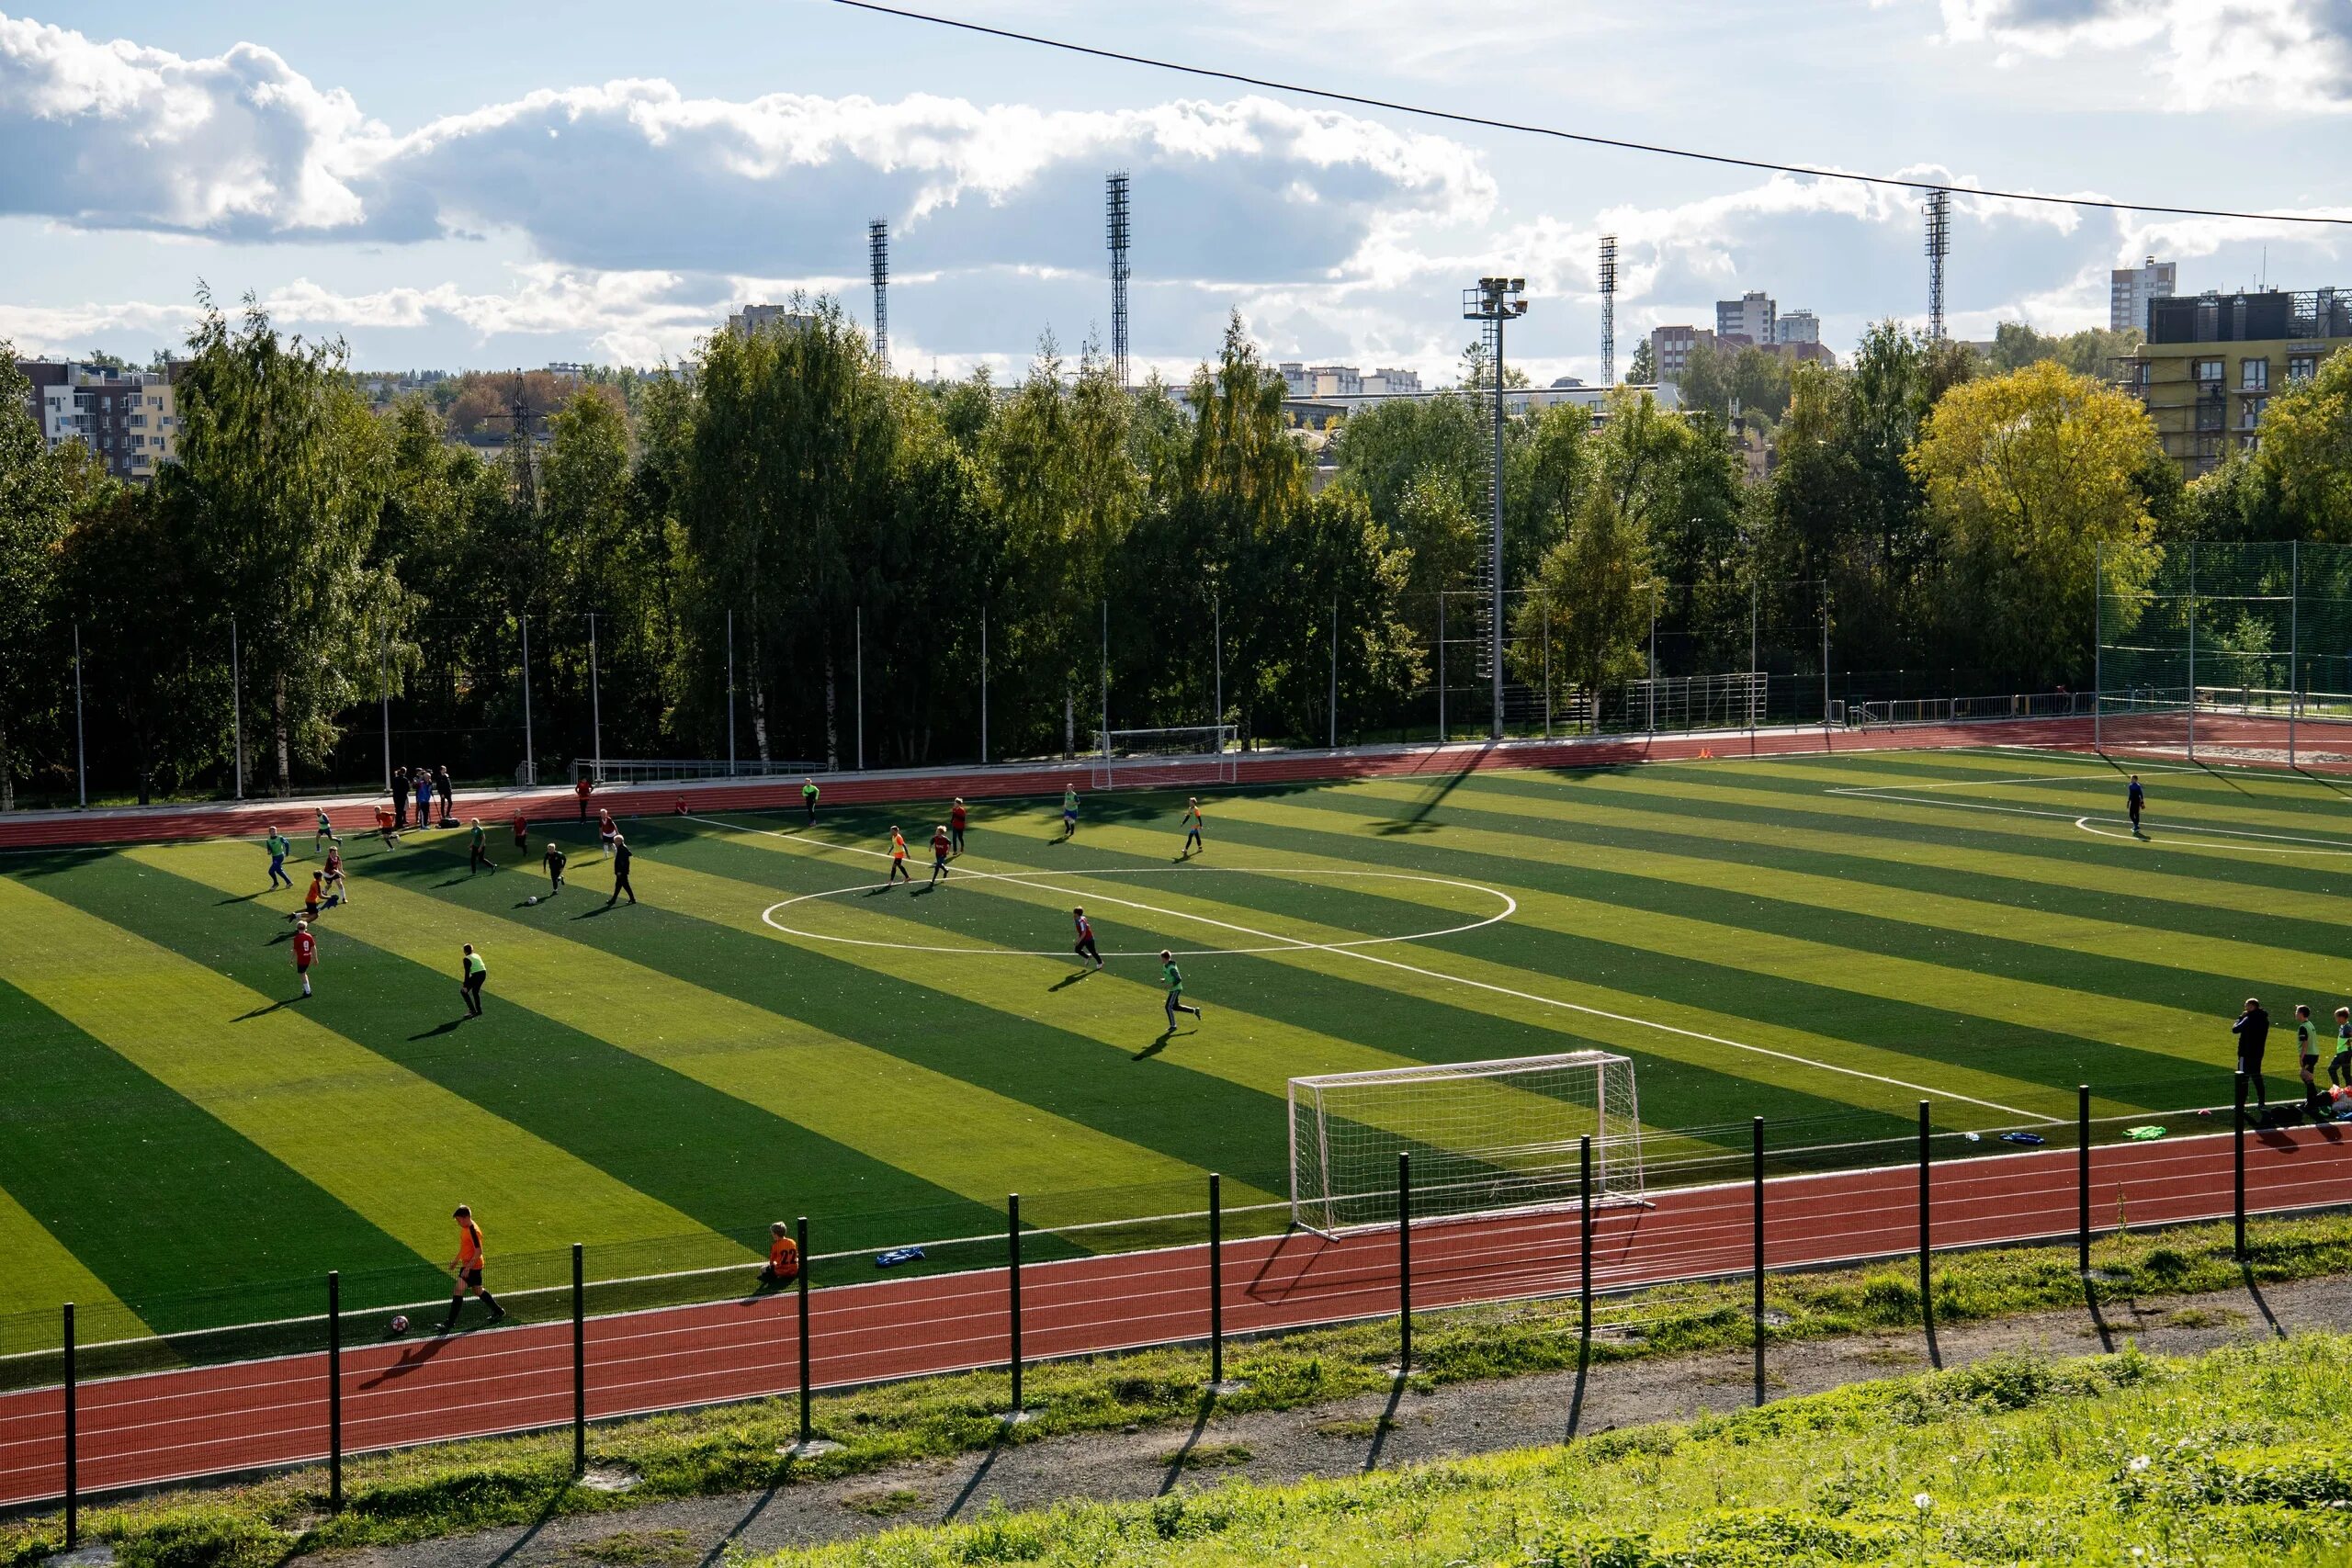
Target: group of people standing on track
<point>2253,1031</point>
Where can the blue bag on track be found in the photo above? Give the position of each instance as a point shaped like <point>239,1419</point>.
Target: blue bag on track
<point>2024,1140</point>
<point>897,1256</point>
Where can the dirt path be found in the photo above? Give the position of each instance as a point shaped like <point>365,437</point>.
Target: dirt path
<point>1345,1438</point>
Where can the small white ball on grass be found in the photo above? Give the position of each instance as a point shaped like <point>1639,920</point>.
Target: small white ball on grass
<point>532,899</point>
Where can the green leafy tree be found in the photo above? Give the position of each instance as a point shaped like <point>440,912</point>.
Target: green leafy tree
<point>2306,453</point>
<point>1643,370</point>
<point>279,490</point>
<point>2027,476</point>
<point>34,501</point>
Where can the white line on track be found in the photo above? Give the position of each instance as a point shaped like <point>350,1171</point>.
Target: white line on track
<point>1358,954</point>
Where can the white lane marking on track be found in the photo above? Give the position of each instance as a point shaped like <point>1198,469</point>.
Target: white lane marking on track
<point>1281,944</point>
<point>1561,1003</point>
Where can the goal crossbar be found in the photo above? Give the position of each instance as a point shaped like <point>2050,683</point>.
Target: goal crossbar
<point>1494,1136</point>
<point>1171,757</point>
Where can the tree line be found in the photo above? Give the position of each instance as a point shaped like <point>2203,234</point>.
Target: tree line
<point>783,550</point>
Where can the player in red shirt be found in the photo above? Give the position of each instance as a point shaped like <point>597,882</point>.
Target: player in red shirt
<point>582,789</point>
<point>939,842</point>
<point>955,820</point>
<point>522,833</point>
<point>1085,947</point>
<point>306,953</point>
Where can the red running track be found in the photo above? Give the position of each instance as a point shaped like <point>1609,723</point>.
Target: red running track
<point>166,1426</point>
<point>51,829</point>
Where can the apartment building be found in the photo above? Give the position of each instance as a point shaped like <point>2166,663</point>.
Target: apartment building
<point>127,418</point>
<point>2132,289</point>
<point>1755,316</point>
<point>1303,380</point>
<point>2212,362</point>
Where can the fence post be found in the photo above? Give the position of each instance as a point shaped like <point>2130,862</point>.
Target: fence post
<point>1756,1307</point>
<point>800,1240</point>
<point>1404,1263</point>
<point>2083,1177</point>
<point>2238,1164</point>
<point>73,1444</point>
<point>1584,1239</point>
<point>1927,1239</point>
<point>578,1359</point>
<point>335,1391</point>
<point>1012,1279</point>
<point>1216,1283</point>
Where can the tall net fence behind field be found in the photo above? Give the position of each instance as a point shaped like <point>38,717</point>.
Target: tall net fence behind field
<point>2241,652</point>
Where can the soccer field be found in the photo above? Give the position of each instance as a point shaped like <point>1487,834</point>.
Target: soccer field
<point>1824,941</point>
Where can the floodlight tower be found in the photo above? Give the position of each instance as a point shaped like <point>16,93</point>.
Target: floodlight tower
<point>1493,302</point>
<point>1608,309</point>
<point>1115,231</point>
<point>877,247</point>
<point>1938,214</point>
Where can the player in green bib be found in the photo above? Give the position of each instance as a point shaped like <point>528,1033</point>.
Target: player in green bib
<point>1069,810</point>
<point>279,850</point>
<point>2339,1067</point>
<point>1173,978</point>
<point>809,798</point>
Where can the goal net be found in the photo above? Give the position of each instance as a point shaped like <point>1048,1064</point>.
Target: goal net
<point>1164,758</point>
<point>1485,1137</point>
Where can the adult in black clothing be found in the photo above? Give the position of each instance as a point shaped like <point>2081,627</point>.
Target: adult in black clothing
<point>2253,1030</point>
<point>2135,799</point>
<point>399,799</point>
<point>447,790</point>
<point>621,857</point>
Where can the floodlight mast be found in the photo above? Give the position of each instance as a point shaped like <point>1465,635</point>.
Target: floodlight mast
<point>1493,302</point>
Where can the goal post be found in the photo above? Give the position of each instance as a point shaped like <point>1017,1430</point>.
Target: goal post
<point>1164,758</point>
<point>1499,1136</point>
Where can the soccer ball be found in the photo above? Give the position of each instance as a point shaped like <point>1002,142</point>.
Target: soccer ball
<point>532,899</point>
<point>399,1323</point>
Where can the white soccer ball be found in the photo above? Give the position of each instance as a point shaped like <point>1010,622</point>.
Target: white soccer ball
<point>399,1323</point>
<point>532,899</point>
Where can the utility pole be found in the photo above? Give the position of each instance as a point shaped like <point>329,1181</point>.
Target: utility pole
<point>1493,302</point>
<point>81,756</point>
<point>730,693</point>
<point>858,623</point>
<point>237,708</point>
<point>1106,678</point>
<point>530,758</point>
<point>984,685</point>
<point>596,706</point>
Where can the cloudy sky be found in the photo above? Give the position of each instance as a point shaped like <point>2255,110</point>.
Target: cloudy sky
<point>482,186</point>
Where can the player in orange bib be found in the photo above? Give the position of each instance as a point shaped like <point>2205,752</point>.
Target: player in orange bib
<point>898,858</point>
<point>466,1269</point>
<point>784,1257</point>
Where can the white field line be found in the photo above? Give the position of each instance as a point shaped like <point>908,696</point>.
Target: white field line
<point>2320,846</point>
<point>1483,986</point>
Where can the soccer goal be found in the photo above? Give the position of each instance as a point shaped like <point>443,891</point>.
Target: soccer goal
<point>1164,758</point>
<point>1485,1137</point>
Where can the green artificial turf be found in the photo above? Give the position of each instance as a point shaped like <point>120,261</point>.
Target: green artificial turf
<point>661,1080</point>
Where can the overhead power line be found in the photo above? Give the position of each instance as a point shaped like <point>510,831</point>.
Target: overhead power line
<point>1557,134</point>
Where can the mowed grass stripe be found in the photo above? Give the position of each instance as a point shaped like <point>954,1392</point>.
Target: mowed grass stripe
<point>1928,1028</point>
<point>393,1146</point>
<point>1725,822</point>
<point>1237,1045</point>
<point>42,1275</point>
<point>729,1165</point>
<point>700,1011</point>
<point>1514,971</point>
<point>1450,1018</point>
<point>2011,939</point>
<point>129,1176</point>
<point>2225,802</point>
<point>2043,831</point>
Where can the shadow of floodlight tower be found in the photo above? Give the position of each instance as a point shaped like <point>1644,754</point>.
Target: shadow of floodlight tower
<point>1494,302</point>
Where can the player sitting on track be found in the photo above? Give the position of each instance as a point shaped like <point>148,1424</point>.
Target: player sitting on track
<point>940,844</point>
<point>1069,810</point>
<point>1192,826</point>
<point>784,1257</point>
<point>465,1268</point>
<point>2253,1030</point>
<point>2135,799</point>
<point>897,857</point>
<point>1174,979</point>
<point>1085,948</point>
<point>957,815</point>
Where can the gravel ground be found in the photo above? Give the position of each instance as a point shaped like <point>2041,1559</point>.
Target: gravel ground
<point>1345,1438</point>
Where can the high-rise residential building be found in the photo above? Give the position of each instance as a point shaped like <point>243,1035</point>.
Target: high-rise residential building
<point>1799,325</point>
<point>755,318</point>
<point>2131,291</point>
<point>127,418</point>
<point>1670,350</point>
<point>1751,316</point>
<point>1303,380</point>
<point>2212,361</point>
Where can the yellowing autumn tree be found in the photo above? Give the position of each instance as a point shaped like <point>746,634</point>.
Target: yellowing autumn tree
<point>2029,477</point>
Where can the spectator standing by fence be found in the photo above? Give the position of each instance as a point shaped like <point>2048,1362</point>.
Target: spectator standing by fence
<point>2253,1030</point>
<point>442,782</point>
<point>400,799</point>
